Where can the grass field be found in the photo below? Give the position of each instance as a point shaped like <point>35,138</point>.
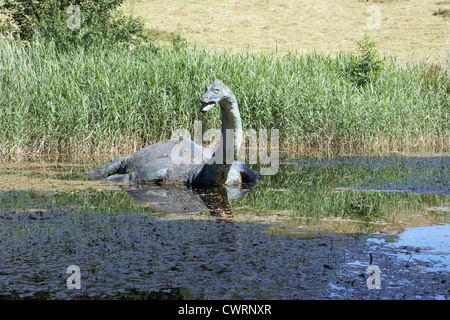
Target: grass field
<point>408,29</point>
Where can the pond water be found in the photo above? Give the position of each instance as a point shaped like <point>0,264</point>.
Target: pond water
<point>308,232</point>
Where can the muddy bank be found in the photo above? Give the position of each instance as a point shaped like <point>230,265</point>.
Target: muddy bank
<point>139,256</point>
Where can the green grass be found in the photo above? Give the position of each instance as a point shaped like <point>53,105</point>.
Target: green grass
<point>117,99</point>
<point>82,200</point>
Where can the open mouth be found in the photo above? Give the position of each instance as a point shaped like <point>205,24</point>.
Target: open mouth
<point>207,106</point>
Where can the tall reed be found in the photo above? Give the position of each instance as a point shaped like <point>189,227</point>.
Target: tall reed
<point>112,99</point>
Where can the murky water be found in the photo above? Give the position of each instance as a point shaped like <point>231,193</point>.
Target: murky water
<point>424,175</point>
<point>309,232</point>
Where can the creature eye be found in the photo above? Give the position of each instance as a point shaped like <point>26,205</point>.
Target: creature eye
<point>216,90</point>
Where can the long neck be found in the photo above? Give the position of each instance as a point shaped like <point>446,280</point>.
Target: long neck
<point>216,173</point>
<point>231,131</point>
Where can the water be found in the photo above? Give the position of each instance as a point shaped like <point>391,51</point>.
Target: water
<point>428,247</point>
<point>309,232</point>
<point>424,175</point>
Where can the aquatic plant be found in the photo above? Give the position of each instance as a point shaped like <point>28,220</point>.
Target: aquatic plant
<point>119,99</point>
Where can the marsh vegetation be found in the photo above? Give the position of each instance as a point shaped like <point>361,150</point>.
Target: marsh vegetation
<point>72,99</point>
<point>111,99</point>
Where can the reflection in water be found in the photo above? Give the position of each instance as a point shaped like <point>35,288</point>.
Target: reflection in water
<point>428,247</point>
<point>182,199</point>
<point>420,175</point>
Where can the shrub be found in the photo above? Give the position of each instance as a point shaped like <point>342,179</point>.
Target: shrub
<point>366,67</point>
<point>56,19</point>
<point>442,12</point>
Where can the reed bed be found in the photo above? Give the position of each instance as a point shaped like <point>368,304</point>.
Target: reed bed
<point>116,99</point>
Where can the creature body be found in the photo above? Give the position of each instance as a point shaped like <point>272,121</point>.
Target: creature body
<point>157,163</point>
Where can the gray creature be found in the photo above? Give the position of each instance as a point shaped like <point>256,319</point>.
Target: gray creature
<point>161,162</point>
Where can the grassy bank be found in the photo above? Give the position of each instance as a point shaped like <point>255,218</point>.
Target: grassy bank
<point>116,99</point>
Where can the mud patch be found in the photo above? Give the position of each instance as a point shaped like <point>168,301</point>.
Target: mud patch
<point>122,254</point>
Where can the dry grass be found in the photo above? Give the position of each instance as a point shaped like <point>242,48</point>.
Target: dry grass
<point>408,29</point>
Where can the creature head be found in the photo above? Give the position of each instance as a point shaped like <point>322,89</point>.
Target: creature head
<point>214,94</point>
